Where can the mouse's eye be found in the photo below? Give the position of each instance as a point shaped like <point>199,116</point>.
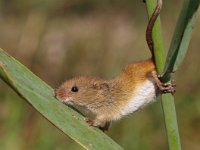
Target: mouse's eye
<point>74,89</point>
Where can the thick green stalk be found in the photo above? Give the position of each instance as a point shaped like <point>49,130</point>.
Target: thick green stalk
<point>167,99</point>
<point>178,48</point>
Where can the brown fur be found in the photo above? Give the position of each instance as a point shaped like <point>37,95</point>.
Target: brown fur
<point>103,100</point>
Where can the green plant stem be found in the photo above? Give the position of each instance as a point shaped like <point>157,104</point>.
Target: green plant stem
<point>159,49</point>
<point>178,48</point>
<point>171,122</point>
<point>167,99</point>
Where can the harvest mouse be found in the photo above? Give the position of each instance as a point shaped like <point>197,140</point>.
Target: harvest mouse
<point>103,101</point>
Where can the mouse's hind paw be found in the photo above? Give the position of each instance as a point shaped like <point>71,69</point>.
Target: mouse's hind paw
<point>169,87</point>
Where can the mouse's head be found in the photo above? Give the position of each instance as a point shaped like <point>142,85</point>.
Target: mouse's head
<point>81,91</point>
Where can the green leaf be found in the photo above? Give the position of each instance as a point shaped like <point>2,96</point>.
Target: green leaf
<point>41,97</point>
<point>182,35</point>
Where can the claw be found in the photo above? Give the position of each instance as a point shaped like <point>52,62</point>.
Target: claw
<point>159,76</point>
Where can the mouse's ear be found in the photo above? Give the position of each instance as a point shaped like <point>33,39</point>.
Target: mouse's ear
<point>104,86</point>
<point>101,85</point>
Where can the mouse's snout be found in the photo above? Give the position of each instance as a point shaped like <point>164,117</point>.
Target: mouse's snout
<point>59,94</point>
<point>62,95</point>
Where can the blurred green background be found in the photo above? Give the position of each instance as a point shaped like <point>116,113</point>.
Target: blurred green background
<point>59,39</point>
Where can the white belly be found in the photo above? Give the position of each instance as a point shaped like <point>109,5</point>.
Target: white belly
<point>144,95</point>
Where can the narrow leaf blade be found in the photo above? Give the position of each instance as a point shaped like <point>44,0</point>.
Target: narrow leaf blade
<point>182,35</point>
<point>41,97</point>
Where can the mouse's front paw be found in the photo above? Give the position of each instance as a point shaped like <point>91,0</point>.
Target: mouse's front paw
<point>89,121</point>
